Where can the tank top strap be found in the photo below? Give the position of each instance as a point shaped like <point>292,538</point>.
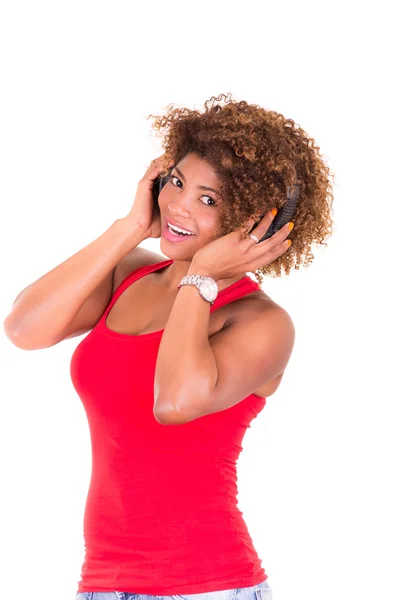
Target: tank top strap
<point>236,290</point>
<point>131,278</point>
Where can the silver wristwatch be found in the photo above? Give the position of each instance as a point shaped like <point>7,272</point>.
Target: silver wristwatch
<point>207,286</point>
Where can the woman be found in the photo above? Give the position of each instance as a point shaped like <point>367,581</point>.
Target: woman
<point>175,367</point>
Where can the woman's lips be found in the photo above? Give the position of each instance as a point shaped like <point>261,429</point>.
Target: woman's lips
<point>171,237</point>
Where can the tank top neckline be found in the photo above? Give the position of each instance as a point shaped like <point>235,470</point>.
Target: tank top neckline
<point>248,284</point>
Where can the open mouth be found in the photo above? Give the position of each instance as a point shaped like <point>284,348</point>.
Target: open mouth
<point>175,234</point>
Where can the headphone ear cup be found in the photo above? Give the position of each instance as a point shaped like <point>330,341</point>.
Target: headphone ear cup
<point>164,180</point>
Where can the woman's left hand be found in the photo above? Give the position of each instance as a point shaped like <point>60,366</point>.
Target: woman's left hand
<point>232,254</point>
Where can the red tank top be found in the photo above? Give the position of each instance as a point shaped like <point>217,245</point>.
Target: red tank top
<point>161,515</point>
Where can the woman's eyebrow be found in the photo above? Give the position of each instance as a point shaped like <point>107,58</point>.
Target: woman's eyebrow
<point>201,187</point>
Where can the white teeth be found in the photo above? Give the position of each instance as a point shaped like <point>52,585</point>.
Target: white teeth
<point>173,228</point>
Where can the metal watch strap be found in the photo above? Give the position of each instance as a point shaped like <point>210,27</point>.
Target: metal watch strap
<point>194,280</point>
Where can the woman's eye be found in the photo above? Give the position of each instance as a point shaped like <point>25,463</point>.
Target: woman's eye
<point>174,177</point>
<point>209,197</point>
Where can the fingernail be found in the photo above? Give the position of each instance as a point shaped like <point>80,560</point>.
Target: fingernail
<point>274,211</point>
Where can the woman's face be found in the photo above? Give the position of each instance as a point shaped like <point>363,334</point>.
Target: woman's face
<point>185,201</point>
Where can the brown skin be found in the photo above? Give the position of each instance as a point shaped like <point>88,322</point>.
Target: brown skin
<point>256,153</point>
<point>193,209</point>
<point>251,155</point>
<point>227,258</point>
<point>200,362</point>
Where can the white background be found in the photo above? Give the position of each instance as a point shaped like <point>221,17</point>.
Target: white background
<point>318,476</point>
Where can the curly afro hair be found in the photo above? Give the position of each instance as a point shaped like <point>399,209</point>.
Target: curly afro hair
<point>256,153</point>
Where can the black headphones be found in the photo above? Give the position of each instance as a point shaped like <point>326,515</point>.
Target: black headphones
<point>283,216</point>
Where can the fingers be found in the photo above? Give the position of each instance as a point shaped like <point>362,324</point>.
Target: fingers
<point>262,226</point>
<point>273,247</point>
<point>282,233</point>
<point>266,221</point>
<point>154,169</point>
<point>278,237</point>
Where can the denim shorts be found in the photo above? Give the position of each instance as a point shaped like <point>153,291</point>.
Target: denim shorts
<point>261,591</point>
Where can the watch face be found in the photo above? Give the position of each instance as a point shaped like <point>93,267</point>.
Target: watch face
<point>209,289</point>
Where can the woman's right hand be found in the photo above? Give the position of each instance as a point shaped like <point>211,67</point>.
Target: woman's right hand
<point>142,214</point>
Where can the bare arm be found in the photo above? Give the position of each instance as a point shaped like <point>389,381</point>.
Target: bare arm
<point>42,312</point>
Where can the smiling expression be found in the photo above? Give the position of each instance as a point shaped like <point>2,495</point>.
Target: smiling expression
<point>190,200</point>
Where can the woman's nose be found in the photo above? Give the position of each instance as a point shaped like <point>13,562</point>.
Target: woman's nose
<point>180,205</point>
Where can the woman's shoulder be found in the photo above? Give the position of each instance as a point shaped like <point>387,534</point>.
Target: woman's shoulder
<point>135,259</point>
<point>254,304</point>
